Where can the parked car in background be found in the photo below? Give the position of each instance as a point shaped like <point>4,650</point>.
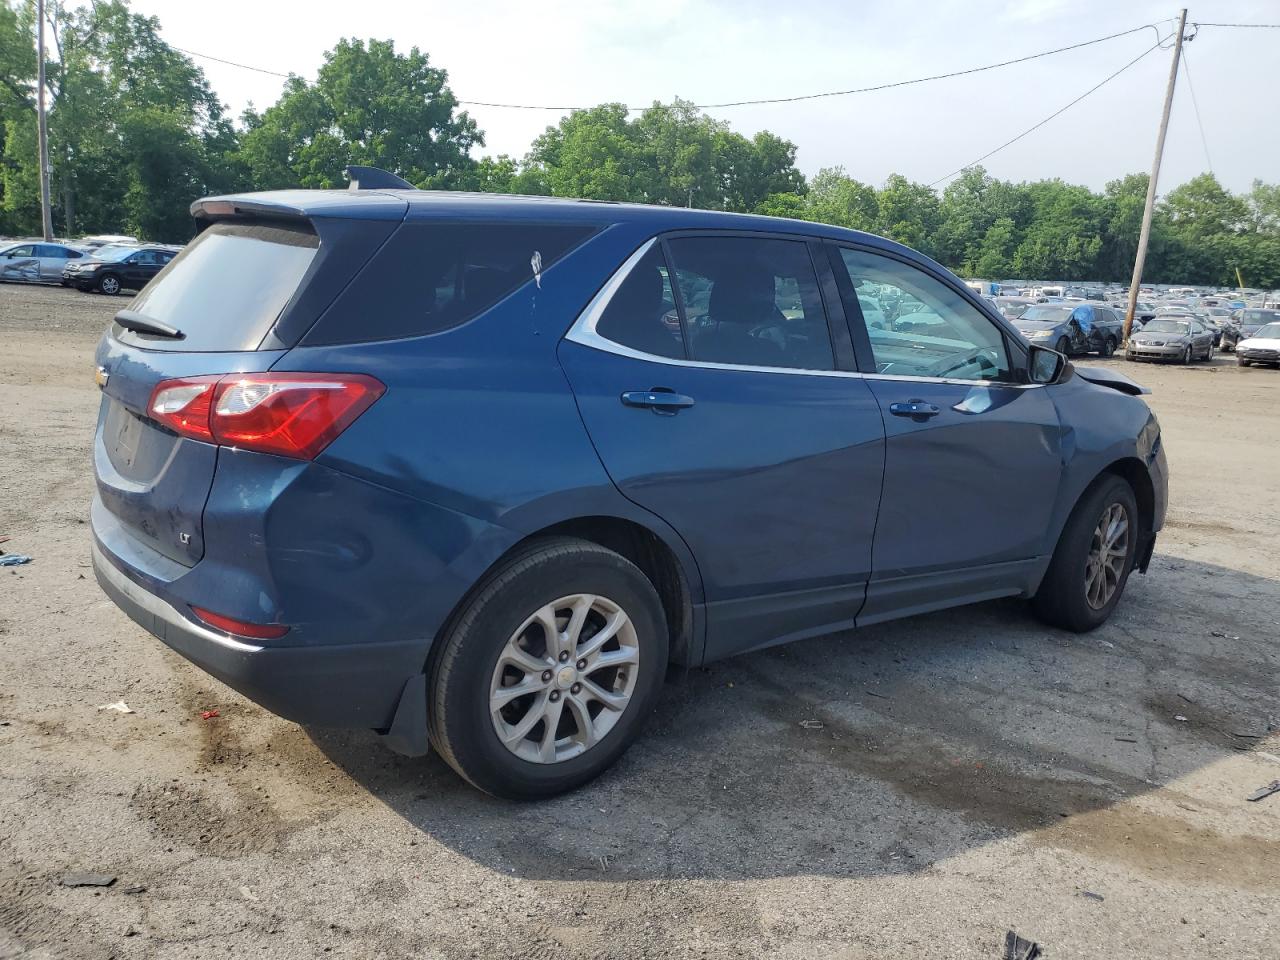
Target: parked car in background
<point>1071,329</point>
<point>1175,338</point>
<point>1142,311</point>
<point>440,465</point>
<point>1245,323</point>
<point>112,269</point>
<point>106,240</point>
<point>1262,347</point>
<point>36,261</point>
<point>1012,307</point>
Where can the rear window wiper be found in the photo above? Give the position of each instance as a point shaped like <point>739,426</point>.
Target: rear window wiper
<point>141,323</point>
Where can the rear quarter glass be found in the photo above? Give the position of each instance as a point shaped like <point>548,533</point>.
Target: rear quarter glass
<point>228,286</point>
<point>434,274</point>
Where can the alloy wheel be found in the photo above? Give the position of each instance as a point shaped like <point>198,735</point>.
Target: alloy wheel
<point>1108,553</point>
<point>110,285</point>
<point>564,678</point>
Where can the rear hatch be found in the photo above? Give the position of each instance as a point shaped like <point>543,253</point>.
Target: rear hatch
<point>239,295</point>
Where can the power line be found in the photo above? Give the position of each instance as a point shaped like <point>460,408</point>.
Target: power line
<point>745,103</point>
<point>1186,69</point>
<point>1246,26</point>
<point>1051,116</point>
<point>940,76</point>
<point>232,63</point>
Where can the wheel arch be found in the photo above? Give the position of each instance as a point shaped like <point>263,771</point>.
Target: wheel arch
<point>1135,472</point>
<point>677,587</point>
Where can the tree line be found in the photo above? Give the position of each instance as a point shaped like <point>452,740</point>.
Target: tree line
<point>136,133</point>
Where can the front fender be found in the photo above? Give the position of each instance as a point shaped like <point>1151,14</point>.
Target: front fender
<point>1104,429</point>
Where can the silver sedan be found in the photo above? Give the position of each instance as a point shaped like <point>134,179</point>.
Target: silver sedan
<point>1177,338</point>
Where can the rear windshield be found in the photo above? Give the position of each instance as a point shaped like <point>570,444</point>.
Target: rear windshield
<point>228,286</point>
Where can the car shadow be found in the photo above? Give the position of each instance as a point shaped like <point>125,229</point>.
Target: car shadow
<point>886,749</point>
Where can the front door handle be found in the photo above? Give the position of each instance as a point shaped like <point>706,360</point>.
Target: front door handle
<point>660,400</point>
<point>917,410</point>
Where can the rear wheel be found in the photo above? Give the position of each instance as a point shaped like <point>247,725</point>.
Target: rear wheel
<point>1109,346</point>
<point>1208,353</point>
<point>109,283</point>
<point>550,670</point>
<point>1093,559</point>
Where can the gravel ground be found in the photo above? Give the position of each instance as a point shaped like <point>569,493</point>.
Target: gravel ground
<point>971,771</point>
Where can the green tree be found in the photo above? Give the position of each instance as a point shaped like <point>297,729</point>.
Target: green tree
<point>369,105</point>
<point>995,255</point>
<point>909,213</point>
<point>1202,208</point>
<point>135,133</point>
<point>670,154</point>
<point>835,197</point>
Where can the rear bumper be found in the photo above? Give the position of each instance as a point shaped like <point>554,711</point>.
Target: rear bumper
<point>344,685</point>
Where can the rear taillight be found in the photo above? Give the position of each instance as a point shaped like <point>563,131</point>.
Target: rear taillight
<point>183,406</point>
<point>290,414</point>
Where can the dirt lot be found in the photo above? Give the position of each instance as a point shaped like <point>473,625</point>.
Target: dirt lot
<point>973,773</point>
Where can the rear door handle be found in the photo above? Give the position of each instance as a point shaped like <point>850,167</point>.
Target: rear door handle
<point>917,410</point>
<point>659,400</point>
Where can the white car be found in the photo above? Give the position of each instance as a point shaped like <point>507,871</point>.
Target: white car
<point>35,262</point>
<point>1262,347</point>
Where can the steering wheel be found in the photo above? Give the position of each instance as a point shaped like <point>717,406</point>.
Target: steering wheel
<point>985,357</point>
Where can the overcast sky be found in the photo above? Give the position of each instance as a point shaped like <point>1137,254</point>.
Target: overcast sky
<point>707,51</point>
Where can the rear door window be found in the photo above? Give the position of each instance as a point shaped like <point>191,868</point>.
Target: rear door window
<point>227,287</point>
<point>752,301</point>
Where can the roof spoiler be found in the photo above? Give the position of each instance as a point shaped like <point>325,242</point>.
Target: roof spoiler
<point>372,178</point>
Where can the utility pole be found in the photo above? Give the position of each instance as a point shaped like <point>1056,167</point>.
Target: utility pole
<point>46,214</point>
<point>1145,237</point>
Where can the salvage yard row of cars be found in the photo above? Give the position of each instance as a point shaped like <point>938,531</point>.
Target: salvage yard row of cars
<point>1181,325</point>
<point>105,264</point>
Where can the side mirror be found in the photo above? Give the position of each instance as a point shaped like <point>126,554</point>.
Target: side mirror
<point>1045,365</point>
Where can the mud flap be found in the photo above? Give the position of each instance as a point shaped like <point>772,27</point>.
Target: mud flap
<point>1145,550</point>
<point>407,734</point>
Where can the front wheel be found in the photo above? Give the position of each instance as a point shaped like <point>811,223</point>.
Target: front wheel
<point>1241,361</point>
<point>1063,346</point>
<point>550,670</point>
<point>1186,355</point>
<point>1093,559</point>
<point>109,284</point>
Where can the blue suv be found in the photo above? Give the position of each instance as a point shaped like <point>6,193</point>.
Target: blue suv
<point>474,470</point>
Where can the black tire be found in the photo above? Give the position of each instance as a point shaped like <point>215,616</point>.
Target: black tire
<point>109,284</point>
<point>1108,347</point>
<point>1061,600</point>
<point>1242,362</point>
<point>1188,355</point>
<point>459,721</point>
<point>1063,346</point>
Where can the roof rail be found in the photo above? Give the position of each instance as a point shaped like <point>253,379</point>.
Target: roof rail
<point>371,178</point>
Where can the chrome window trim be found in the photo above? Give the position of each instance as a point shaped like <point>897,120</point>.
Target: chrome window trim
<point>584,332</point>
